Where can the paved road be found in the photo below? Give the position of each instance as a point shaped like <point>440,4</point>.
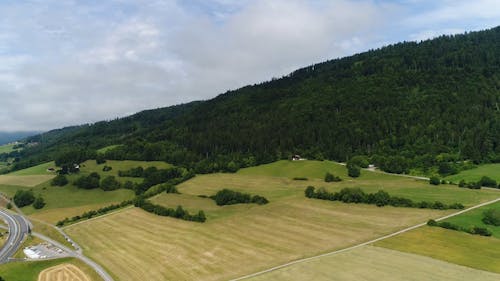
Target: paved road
<point>18,228</point>
<point>364,243</point>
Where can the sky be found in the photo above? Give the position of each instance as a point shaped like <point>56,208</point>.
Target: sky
<point>74,62</point>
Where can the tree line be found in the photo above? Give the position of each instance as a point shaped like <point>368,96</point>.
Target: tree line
<point>380,198</point>
<point>475,230</point>
<point>230,197</point>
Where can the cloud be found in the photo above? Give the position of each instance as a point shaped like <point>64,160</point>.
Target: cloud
<point>72,62</point>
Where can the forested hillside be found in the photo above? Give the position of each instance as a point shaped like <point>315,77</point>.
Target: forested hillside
<point>405,105</point>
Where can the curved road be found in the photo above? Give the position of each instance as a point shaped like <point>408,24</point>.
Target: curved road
<point>18,228</point>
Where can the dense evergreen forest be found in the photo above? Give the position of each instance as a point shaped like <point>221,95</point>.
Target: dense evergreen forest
<point>408,105</point>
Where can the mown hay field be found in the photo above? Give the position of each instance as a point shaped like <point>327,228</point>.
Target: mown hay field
<point>63,272</point>
<point>371,263</point>
<point>453,246</point>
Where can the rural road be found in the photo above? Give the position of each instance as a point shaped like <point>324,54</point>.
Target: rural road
<point>364,243</point>
<point>18,228</point>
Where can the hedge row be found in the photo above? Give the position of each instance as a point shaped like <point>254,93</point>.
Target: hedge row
<point>448,225</point>
<point>159,210</point>
<point>380,198</point>
<point>93,213</point>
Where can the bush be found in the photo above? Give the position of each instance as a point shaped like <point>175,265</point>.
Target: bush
<point>59,180</point>
<point>39,202</point>
<point>100,159</point>
<point>9,205</point>
<point>329,177</point>
<point>432,222</point>
<point>492,217</point>
<point>481,231</point>
<point>110,183</point>
<point>461,183</point>
<point>24,198</point>
<point>434,181</point>
<point>300,179</point>
<point>107,168</point>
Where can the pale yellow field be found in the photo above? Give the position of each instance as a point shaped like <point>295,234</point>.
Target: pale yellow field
<point>63,272</point>
<point>135,245</point>
<point>370,263</point>
<point>28,181</point>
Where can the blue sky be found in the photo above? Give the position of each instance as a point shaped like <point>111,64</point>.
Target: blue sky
<point>73,62</point>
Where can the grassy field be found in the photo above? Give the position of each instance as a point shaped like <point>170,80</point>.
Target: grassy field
<point>35,170</point>
<point>29,271</point>
<point>370,263</point>
<point>28,181</point>
<point>245,238</point>
<point>105,149</point>
<point>49,231</point>
<point>474,175</point>
<point>474,218</point>
<point>449,245</point>
<point>6,148</point>
<point>68,201</point>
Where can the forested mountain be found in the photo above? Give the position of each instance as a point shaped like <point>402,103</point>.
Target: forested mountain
<point>406,105</point>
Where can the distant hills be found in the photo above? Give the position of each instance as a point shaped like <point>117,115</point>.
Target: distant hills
<point>405,105</point>
<point>7,137</point>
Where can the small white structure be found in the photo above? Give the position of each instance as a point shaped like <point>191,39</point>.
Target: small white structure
<point>296,157</point>
<point>31,254</point>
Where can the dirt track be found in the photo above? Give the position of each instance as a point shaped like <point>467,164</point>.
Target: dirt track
<point>63,272</point>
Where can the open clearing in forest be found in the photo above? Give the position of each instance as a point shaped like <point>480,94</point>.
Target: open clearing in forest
<point>63,272</point>
<point>371,263</point>
<point>453,246</point>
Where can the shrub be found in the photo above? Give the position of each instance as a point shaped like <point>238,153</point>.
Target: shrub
<point>434,181</point>
<point>329,177</point>
<point>461,183</point>
<point>309,192</point>
<point>481,231</point>
<point>100,159</point>
<point>432,222</point>
<point>39,202</point>
<point>9,205</point>
<point>300,179</point>
<point>59,180</point>
<point>359,160</point>
<point>107,168</point>
<point>492,216</point>
<point>88,182</point>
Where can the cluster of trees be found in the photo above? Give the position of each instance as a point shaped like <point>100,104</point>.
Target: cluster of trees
<point>24,198</point>
<point>178,212</point>
<point>329,177</point>
<point>484,181</point>
<point>380,198</point>
<point>492,217</point>
<point>153,176</point>
<point>448,225</point>
<point>230,197</point>
<point>93,213</point>
<point>88,182</point>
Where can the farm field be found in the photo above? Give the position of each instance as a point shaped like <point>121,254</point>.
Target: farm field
<point>371,263</point>
<point>453,246</point>
<point>29,271</point>
<point>28,181</point>
<point>474,218</point>
<point>234,245</point>
<point>35,170</point>
<point>474,175</point>
<point>63,272</point>
<point>252,237</point>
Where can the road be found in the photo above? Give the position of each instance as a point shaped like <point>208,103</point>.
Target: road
<point>18,228</point>
<point>364,243</point>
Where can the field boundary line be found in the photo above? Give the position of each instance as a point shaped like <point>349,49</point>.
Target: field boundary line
<point>364,243</point>
<point>98,217</point>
